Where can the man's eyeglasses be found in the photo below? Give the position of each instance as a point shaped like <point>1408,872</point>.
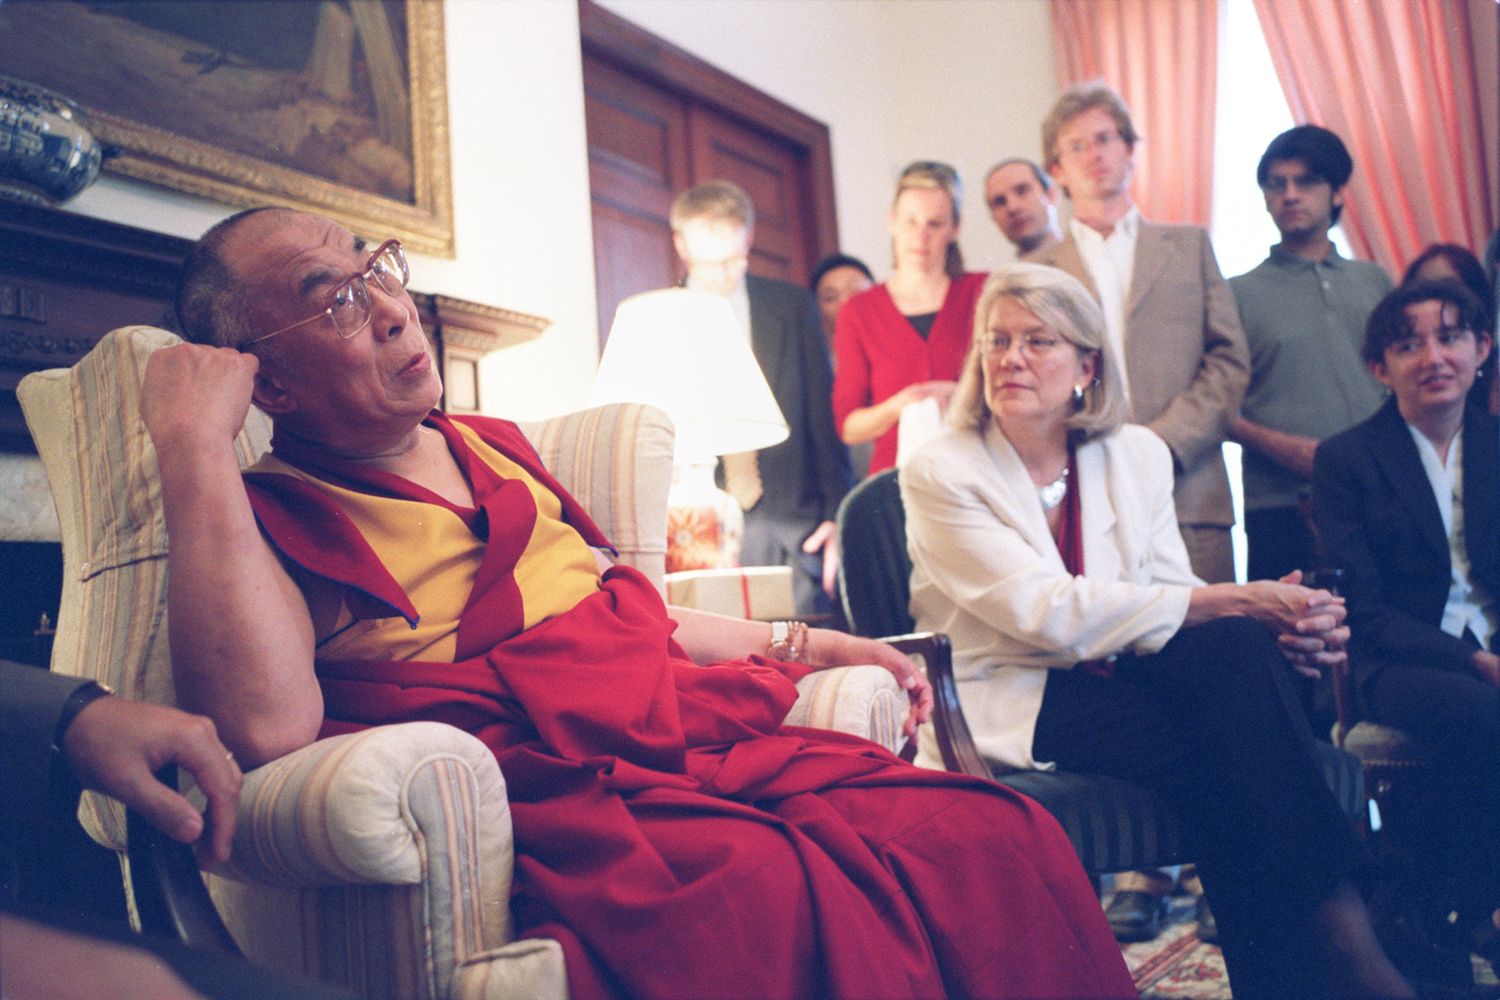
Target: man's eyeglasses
<point>1077,147</point>
<point>349,305</point>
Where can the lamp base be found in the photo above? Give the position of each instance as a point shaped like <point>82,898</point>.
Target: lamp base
<point>705,525</point>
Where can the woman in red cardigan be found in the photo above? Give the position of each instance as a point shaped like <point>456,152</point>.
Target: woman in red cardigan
<point>905,340</point>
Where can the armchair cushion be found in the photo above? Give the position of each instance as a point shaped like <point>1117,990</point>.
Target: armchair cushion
<point>532,969</point>
<point>861,700</point>
<point>616,460</point>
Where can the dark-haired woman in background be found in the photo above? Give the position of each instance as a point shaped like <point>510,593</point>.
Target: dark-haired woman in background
<point>835,280</point>
<point>1405,504</point>
<point>1449,260</point>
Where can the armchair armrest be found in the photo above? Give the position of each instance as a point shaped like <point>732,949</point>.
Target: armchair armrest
<point>953,736</point>
<point>1343,703</point>
<point>167,891</point>
<point>866,701</point>
<point>374,807</point>
<point>390,850</point>
<point>859,700</point>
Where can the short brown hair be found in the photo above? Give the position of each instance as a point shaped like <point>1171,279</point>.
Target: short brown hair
<point>716,200</point>
<point>1075,101</point>
<point>1061,302</point>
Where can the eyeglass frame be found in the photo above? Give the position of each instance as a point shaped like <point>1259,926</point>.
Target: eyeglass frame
<point>1032,346</point>
<point>1086,144</point>
<point>358,281</point>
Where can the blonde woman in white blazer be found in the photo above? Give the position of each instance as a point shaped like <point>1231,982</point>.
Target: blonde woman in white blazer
<point>1044,542</point>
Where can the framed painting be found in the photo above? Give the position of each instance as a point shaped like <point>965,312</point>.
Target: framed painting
<point>334,106</point>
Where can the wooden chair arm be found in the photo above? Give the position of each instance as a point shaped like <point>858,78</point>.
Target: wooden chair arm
<point>1343,703</point>
<point>170,897</point>
<point>953,736</point>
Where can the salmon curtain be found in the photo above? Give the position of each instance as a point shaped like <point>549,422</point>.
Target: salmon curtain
<point>1162,58</point>
<point>1427,160</point>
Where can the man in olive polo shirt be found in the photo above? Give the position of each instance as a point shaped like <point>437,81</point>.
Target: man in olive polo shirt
<point>1303,309</point>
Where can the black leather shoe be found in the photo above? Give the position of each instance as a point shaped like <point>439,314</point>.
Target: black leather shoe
<point>1208,928</point>
<point>1135,916</point>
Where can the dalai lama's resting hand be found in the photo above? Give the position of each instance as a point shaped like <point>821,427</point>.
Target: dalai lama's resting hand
<point>711,638</point>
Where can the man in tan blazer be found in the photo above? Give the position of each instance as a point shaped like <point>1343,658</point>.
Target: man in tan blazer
<point>1169,313</point>
<point>1170,318</point>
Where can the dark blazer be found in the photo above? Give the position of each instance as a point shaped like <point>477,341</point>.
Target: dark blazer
<point>31,703</point>
<point>1378,519</point>
<point>806,475</point>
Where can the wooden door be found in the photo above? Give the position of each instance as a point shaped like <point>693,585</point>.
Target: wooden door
<point>660,120</point>
<point>772,175</point>
<point>638,161</point>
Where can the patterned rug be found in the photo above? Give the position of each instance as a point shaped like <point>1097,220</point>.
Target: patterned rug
<point>1176,965</point>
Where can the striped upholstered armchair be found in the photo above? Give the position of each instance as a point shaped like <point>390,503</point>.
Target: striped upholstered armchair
<point>379,860</point>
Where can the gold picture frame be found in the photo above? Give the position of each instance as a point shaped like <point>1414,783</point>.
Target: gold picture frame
<point>144,146</point>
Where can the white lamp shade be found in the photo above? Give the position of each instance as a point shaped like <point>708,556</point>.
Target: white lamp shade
<point>684,352</point>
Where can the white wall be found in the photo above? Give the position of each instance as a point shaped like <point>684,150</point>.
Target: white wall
<point>965,81</point>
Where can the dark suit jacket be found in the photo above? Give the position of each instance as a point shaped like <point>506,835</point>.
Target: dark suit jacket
<point>1378,519</point>
<point>31,702</point>
<point>806,475</point>
<point>1186,359</point>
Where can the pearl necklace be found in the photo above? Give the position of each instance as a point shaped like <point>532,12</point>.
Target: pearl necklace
<point>1052,494</point>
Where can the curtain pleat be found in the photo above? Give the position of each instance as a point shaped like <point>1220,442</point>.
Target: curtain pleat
<point>1162,59</point>
<point>1410,85</point>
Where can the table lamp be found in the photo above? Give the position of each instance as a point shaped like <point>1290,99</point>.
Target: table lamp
<point>684,352</point>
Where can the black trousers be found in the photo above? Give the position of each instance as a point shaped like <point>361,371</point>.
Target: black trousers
<point>1214,723</point>
<point>1457,716</point>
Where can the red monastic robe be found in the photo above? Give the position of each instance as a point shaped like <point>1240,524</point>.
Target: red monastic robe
<point>670,832</point>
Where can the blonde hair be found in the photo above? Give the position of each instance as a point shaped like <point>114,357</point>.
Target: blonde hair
<point>930,175</point>
<point>1065,306</point>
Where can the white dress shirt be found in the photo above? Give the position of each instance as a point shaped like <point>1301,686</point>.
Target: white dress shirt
<point>1469,606</point>
<point>738,299</point>
<point>1110,261</point>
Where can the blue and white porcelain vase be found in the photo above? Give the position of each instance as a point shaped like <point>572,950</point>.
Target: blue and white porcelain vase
<point>48,152</point>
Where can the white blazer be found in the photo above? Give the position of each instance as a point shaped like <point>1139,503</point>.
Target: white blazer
<point>986,571</point>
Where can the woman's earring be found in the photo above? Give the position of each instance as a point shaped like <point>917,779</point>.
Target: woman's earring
<point>1078,397</point>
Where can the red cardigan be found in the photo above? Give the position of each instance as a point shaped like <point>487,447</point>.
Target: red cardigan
<point>878,352</point>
